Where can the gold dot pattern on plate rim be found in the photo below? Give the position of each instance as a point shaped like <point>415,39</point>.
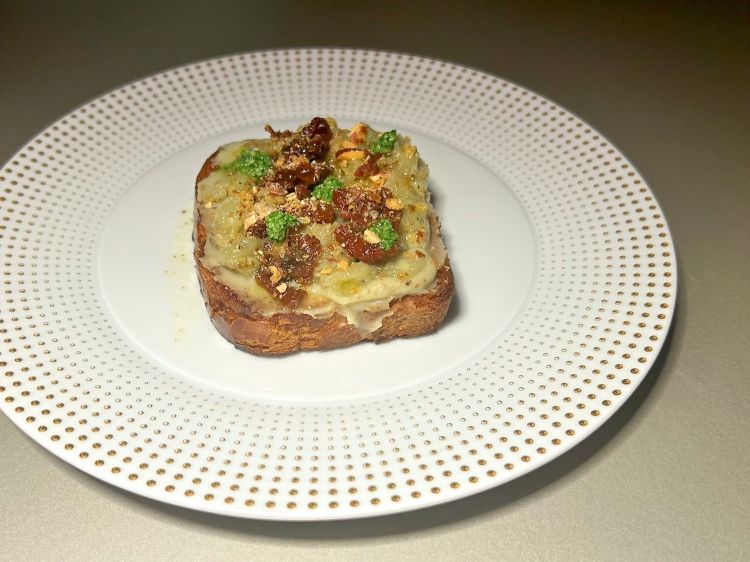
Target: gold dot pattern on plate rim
<point>597,316</point>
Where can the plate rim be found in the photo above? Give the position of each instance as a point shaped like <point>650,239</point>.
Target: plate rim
<point>386,508</point>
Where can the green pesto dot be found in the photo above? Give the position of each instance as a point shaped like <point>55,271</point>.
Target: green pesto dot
<point>324,190</point>
<point>252,162</point>
<point>385,231</point>
<point>277,223</point>
<point>384,143</point>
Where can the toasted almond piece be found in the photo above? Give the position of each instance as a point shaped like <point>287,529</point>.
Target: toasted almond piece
<point>347,144</point>
<point>275,274</point>
<point>263,209</point>
<point>371,237</point>
<point>351,155</point>
<point>282,287</point>
<point>358,134</point>
<point>304,220</point>
<point>250,220</point>
<point>394,203</point>
<point>343,265</point>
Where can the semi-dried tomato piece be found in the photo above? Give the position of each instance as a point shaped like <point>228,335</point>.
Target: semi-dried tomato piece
<point>294,260</point>
<point>319,212</point>
<point>369,167</point>
<point>349,235</point>
<point>301,153</point>
<point>290,297</point>
<point>365,206</point>
<point>295,172</point>
<point>312,141</point>
<point>302,256</point>
<point>257,229</point>
<point>317,127</point>
<point>302,192</point>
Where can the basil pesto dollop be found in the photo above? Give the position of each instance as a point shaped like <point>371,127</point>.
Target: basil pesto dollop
<point>385,231</point>
<point>277,223</point>
<point>324,190</point>
<point>253,163</point>
<point>384,142</point>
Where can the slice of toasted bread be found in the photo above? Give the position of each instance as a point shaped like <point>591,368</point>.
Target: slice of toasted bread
<point>271,289</point>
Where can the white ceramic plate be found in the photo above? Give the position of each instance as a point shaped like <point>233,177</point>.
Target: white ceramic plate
<point>565,278</point>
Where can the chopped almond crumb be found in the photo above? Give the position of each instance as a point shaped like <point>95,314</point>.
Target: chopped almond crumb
<point>394,203</point>
<point>351,155</point>
<point>281,288</point>
<point>358,134</point>
<point>343,265</point>
<point>250,220</point>
<point>371,237</point>
<point>263,209</point>
<point>378,180</point>
<point>275,274</point>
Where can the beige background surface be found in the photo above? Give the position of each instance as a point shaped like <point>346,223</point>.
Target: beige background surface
<point>666,478</point>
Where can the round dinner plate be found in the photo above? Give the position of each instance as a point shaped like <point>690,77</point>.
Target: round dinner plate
<point>565,290</point>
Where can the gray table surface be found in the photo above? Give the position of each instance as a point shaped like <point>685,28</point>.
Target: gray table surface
<point>666,478</point>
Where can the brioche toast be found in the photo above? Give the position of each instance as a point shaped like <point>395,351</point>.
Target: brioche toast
<point>319,238</point>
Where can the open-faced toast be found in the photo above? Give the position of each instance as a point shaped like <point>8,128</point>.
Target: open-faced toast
<point>319,238</point>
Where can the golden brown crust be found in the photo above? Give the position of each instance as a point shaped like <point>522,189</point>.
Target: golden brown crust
<point>244,324</point>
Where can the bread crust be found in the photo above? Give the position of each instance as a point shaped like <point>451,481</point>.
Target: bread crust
<point>244,324</point>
